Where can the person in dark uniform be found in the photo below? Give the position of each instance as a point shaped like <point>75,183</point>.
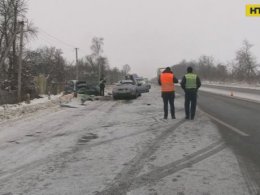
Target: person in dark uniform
<point>167,80</point>
<point>102,86</point>
<point>190,84</point>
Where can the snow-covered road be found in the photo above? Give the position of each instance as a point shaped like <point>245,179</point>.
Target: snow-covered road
<point>116,147</point>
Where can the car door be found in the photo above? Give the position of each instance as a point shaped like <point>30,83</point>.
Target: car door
<point>141,88</point>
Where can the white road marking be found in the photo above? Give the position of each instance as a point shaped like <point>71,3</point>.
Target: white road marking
<point>225,124</point>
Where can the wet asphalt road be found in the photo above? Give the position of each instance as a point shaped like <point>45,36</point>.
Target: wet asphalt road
<point>243,115</point>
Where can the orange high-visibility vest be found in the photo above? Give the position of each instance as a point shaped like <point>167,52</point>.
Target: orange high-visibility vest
<point>167,84</point>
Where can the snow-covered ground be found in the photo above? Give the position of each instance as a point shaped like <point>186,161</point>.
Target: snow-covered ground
<point>116,147</point>
<point>12,111</point>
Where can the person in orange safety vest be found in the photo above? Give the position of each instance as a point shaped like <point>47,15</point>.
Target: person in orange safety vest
<point>167,80</point>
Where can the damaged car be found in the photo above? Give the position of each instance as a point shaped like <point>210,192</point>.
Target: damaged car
<point>125,89</point>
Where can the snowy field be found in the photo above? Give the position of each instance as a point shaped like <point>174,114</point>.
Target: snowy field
<point>116,147</point>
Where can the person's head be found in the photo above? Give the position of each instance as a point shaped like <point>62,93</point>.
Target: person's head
<point>189,69</point>
<point>168,69</point>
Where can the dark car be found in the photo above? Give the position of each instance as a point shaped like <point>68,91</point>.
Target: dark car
<point>82,87</point>
<point>87,89</point>
<point>70,87</point>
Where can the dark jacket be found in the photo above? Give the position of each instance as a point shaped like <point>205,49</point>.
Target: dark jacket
<point>102,83</point>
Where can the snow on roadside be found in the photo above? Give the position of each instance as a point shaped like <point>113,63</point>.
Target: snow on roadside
<point>235,85</point>
<point>9,111</point>
<point>233,94</point>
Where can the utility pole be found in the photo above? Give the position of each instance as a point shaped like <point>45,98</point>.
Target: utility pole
<point>21,25</point>
<point>99,71</point>
<point>77,65</point>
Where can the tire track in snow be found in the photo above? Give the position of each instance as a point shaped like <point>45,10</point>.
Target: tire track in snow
<point>153,127</point>
<point>8,174</point>
<point>171,168</point>
<point>49,129</point>
<point>123,180</point>
<point>130,182</point>
<point>250,182</point>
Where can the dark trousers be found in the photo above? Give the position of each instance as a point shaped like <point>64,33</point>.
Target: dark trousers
<point>190,104</point>
<point>168,97</point>
<point>102,91</point>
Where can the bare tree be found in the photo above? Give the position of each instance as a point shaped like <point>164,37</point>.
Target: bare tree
<point>48,61</point>
<point>221,72</point>
<point>97,46</point>
<point>246,65</point>
<point>206,67</point>
<point>96,58</point>
<point>126,69</point>
<point>11,12</point>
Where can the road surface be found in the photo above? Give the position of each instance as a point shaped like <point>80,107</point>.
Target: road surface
<point>118,148</point>
<point>244,116</point>
<point>238,121</point>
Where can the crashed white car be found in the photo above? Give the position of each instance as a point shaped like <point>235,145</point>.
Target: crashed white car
<point>143,86</point>
<point>125,89</point>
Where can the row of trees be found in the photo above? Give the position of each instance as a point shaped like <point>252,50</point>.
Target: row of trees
<point>47,61</point>
<point>243,68</point>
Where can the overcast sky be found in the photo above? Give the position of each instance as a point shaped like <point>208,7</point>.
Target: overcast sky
<point>146,34</point>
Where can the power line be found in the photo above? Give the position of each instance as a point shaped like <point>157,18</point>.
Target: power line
<point>50,38</point>
<point>61,41</point>
<point>50,42</point>
<point>45,39</point>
